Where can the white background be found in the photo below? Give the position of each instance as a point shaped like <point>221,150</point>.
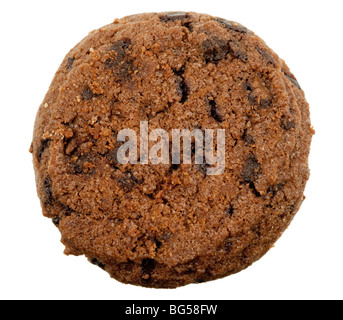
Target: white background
<point>306,263</point>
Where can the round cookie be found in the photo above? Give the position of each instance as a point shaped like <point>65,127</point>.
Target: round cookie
<point>168,225</point>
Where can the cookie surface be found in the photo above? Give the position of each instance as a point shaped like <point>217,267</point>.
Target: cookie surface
<point>168,225</point>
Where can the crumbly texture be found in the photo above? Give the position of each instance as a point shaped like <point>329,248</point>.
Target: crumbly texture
<point>165,226</point>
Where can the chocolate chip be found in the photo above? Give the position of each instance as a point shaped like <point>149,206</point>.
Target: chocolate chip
<point>233,26</point>
<point>82,165</point>
<point>43,145</point>
<point>288,211</point>
<point>266,56</point>
<point>227,244</point>
<point>229,210</point>
<point>251,169</point>
<point>120,63</point>
<point>87,94</point>
<point>248,87</point>
<point>173,16</point>
<point>180,72</point>
<point>48,195</point>
<point>292,79</point>
<point>182,88</point>
<point>178,16</point>
<point>265,104</point>
<point>258,93</point>
<point>252,187</point>
<point>275,188</point>
<point>174,166</point>
<point>257,230</point>
<point>215,112</point>
<point>148,266</point>
<point>202,168</point>
<point>120,48</point>
<point>215,49</point>
<point>70,62</point>
<point>56,220</point>
<point>189,26</point>
<point>248,138</point>
<point>286,123</point>
<point>158,245</point>
<point>128,181</point>
<point>238,52</point>
<point>65,209</point>
<point>98,263</point>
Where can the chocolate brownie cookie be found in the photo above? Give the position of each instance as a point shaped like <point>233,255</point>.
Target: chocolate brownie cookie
<point>170,224</point>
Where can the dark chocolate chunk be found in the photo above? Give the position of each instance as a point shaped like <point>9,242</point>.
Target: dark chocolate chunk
<point>251,97</point>
<point>266,56</point>
<point>227,244</point>
<point>70,62</point>
<point>120,48</point>
<point>180,72</point>
<point>173,16</point>
<point>215,112</point>
<point>251,169</point>
<point>286,123</point>
<point>182,87</point>
<point>82,165</point>
<point>148,266</point>
<point>128,181</point>
<point>158,244</point>
<point>121,63</point>
<point>215,49</point>
<point>288,211</point>
<point>174,166</point>
<point>44,144</point>
<point>65,209</point>
<point>98,263</point>
<point>229,210</point>
<point>87,94</point>
<point>47,187</point>
<point>292,79</point>
<point>56,220</point>
<point>275,188</point>
<point>238,52</point>
<point>265,104</point>
<point>247,138</point>
<point>257,230</point>
<point>232,25</point>
<point>202,168</point>
<point>259,96</point>
<point>188,25</point>
<point>182,90</point>
<point>253,189</point>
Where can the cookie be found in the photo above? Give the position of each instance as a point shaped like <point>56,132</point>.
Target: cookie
<point>166,224</point>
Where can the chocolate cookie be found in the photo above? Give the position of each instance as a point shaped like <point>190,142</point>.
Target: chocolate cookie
<point>169,224</point>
